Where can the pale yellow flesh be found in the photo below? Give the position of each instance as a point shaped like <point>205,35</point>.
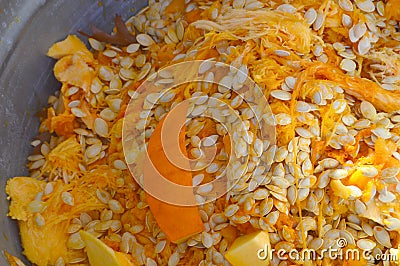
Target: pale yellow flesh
<point>244,249</point>
<point>99,254</point>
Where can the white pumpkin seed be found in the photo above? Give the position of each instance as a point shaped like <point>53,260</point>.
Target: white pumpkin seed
<point>287,8</point>
<point>282,53</point>
<point>346,5</point>
<point>393,224</point>
<point>310,16</point>
<point>93,150</point>
<point>59,262</point>
<point>347,21</point>
<point>110,53</point>
<point>37,164</point>
<point>366,244</point>
<point>283,119</point>
<point>48,189</point>
<point>107,114</point>
<point>368,171</point>
<point>96,45</point>
<point>120,165</point>
<point>360,207</point>
<point>338,173</point>
<point>210,140</point>
<point>180,30</point>
<point>380,8</point>
<point>207,240</point>
<point>67,198</point>
<point>133,48</point>
<point>368,110</point>
<point>382,236</point>
<point>319,22</point>
<point>386,196</point>
<point>382,133</point>
<point>365,5</point>
<point>160,246</point>
<point>281,95</point>
<point>78,112</point>
<point>302,107</point>
<point>364,45</point>
<point>115,206</point>
<point>238,4</point>
<point>348,65</point>
<point>231,210</point>
<point>101,127</point>
<point>75,241</point>
<point>205,66</point>
<point>144,39</point>
<point>359,30</point>
<point>105,73</point>
<point>197,179</point>
<point>390,172</point>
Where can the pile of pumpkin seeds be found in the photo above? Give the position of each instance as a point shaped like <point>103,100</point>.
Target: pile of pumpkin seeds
<point>301,191</point>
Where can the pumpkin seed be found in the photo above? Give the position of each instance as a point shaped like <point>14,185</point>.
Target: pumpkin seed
<point>392,224</point>
<point>365,5</point>
<point>67,198</point>
<point>364,45</point>
<point>93,150</point>
<point>348,65</point>
<point>346,5</point>
<point>120,165</point>
<point>319,22</point>
<point>60,262</point>
<point>310,16</point>
<point>206,239</point>
<point>144,39</point>
<point>347,20</point>
<point>75,241</point>
<point>173,259</point>
<point>101,127</point>
<point>281,95</point>
<point>382,236</point>
<point>115,206</point>
<point>366,244</point>
<point>282,53</point>
<point>238,4</point>
<point>133,48</point>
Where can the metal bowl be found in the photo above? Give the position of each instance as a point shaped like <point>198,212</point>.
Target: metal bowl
<point>27,29</point>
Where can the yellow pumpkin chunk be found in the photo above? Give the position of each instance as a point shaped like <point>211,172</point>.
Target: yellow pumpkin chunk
<point>100,254</point>
<point>73,70</point>
<point>252,249</point>
<point>71,45</point>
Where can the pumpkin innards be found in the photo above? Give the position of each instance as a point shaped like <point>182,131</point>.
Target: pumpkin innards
<point>330,71</point>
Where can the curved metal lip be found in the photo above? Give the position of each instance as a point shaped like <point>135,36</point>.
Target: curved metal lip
<point>27,29</point>
<point>14,17</point>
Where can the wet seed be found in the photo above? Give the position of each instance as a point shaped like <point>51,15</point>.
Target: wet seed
<point>310,16</point>
<point>348,65</point>
<point>101,127</point>
<point>75,241</point>
<point>115,206</point>
<point>382,236</point>
<point>103,196</point>
<point>366,244</point>
<point>67,198</point>
<point>144,39</point>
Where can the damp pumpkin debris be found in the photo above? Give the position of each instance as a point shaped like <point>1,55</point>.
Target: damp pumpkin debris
<point>331,73</point>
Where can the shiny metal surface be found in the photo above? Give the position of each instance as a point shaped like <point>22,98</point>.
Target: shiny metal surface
<point>27,29</point>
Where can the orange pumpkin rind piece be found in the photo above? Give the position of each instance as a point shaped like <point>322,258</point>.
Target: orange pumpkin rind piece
<point>177,222</point>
